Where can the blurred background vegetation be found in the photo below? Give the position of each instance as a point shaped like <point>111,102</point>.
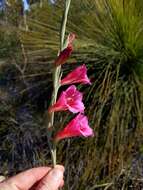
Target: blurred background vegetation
<point>110,42</point>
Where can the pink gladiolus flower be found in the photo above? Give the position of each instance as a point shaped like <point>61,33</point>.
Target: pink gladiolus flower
<point>77,127</point>
<point>65,54</point>
<point>71,100</point>
<point>79,75</point>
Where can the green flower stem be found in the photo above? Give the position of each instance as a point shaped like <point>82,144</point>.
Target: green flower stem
<point>63,26</point>
<point>56,80</point>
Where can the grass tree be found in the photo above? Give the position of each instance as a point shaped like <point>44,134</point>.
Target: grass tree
<point>109,40</point>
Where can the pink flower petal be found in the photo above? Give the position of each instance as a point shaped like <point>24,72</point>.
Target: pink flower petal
<point>76,107</point>
<point>64,55</point>
<point>71,100</point>
<point>78,75</point>
<point>76,127</point>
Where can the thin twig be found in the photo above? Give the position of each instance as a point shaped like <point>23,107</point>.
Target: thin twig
<point>106,185</point>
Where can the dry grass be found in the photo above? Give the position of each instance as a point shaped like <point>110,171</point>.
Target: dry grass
<point>110,41</point>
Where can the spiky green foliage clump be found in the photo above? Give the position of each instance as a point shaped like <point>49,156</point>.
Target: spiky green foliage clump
<point>110,41</point>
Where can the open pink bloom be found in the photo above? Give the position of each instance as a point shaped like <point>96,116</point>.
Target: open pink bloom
<point>71,100</point>
<point>65,54</point>
<point>77,127</point>
<point>78,75</point>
